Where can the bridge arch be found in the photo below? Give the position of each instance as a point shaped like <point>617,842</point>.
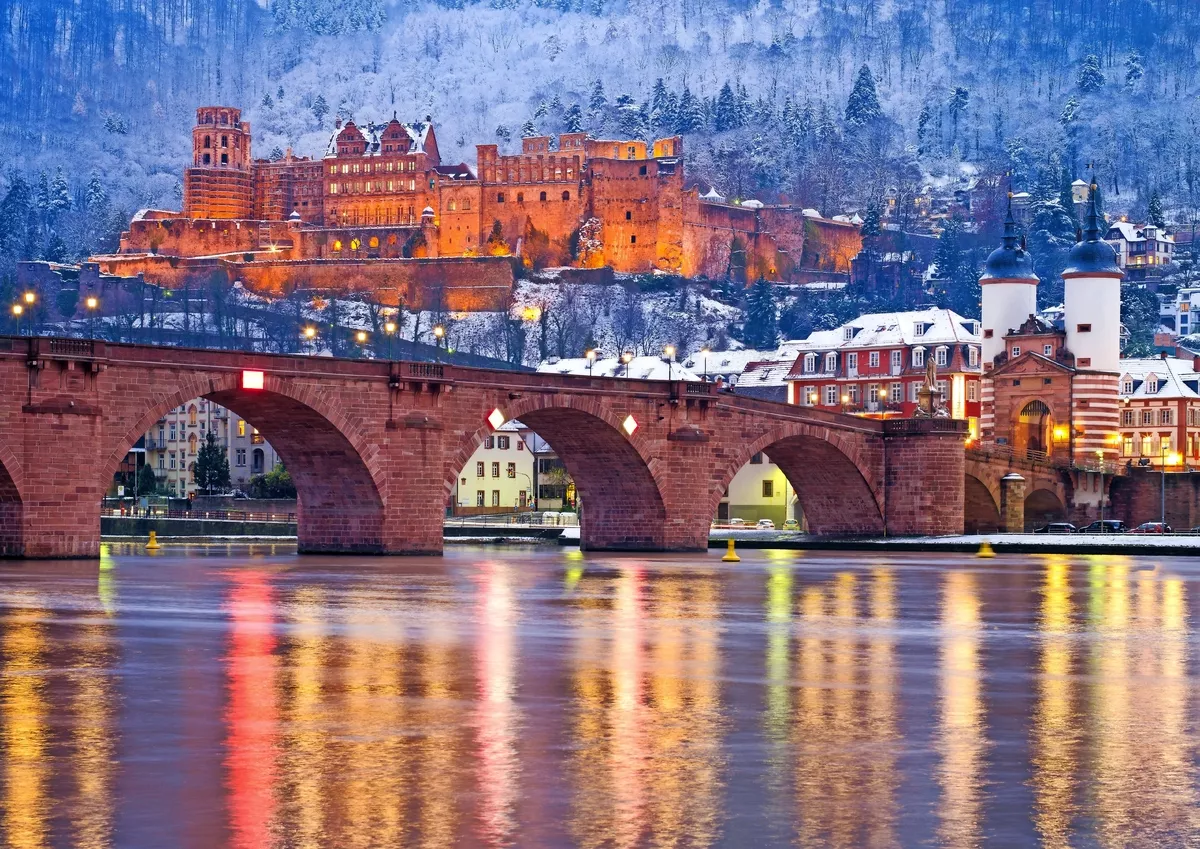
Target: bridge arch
<point>1042,506</point>
<point>833,484</point>
<point>340,483</point>
<point>981,507</point>
<point>618,483</point>
<point>12,508</point>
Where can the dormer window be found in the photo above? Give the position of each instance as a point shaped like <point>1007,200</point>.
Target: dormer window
<point>942,355</point>
<point>919,328</point>
<point>918,357</point>
<point>810,363</point>
<point>1016,351</point>
<point>848,334</point>
<point>831,362</point>
<point>1127,385</point>
<point>1151,384</point>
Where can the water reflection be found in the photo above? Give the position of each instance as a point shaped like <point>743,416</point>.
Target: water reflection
<point>490,699</point>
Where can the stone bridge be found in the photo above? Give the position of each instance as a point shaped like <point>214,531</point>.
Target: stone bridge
<point>374,447</point>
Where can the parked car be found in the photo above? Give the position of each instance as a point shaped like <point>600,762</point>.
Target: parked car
<point>791,525</point>
<point>1108,526</point>
<point>737,523</point>
<point>1057,528</point>
<point>1152,528</point>
<point>765,525</point>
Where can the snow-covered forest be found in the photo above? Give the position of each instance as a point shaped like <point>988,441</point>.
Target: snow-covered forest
<point>760,90</point>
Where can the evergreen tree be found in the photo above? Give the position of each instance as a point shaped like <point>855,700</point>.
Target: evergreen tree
<point>528,129</point>
<point>956,105</point>
<point>267,102</point>
<point>871,225</point>
<point>1133,70</point>
<point>597,102</point>
<point>15,214</point>
<point>960,290</point>
<point>212,466</point>
<point>761,327</point>
<point>1051,236</point>
<point>658,100</point>
<point>725,116</point>
<point>147,483</point>
<point>1091,76</point>
<point>690,113</point>
<point>1139,314</point>
<point>96,196</point>
<point>320,109</point>
<point>923,126</point>
<point>1066,194</point>
<point>863,105</point>
<point>1069,111</point>
<point>1156,211</point>
<point>59,199</point>
<point>573,119</point>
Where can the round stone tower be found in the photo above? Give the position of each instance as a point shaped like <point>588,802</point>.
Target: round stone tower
<point>1092,319</point>
<point>219,184</point>
<point>221,139</point>
<point>1009,289</point>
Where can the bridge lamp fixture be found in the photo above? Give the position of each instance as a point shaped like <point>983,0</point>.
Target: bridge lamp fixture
<point>361,336</point>
<point>1174,458</point>
<point>30,298</point>
<point>310,332</point>
<point>845,399</point>
<point>1060,433</point>
<point>439,331</point>
<point>669,352</point>
<point>531,313</point>
<point>627,357</point>
<point>17,309</point>
<point>496,418</point>
<point>252,379</point>
<point>389,327</point>
<point>629,425</point>
<point>92,302</point>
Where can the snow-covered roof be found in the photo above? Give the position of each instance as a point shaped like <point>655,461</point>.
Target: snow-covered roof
<point>735,364</point>
<point>895,329</point>
<point>1134,232</point>
<point>639,368</point>
<point>809,212</point>
<point>1173,378</point>
<point>415,134</point>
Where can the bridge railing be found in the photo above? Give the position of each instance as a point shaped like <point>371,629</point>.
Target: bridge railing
<point>901,427</point>
<point>221,515</point>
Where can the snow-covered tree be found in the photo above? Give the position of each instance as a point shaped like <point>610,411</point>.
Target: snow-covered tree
<point>1091,75</point>
<point>863,105</point>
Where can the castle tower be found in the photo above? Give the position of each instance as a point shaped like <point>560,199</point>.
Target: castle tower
<point>219,183</point>
<point>1092,281</point>
<point>1009,288</point>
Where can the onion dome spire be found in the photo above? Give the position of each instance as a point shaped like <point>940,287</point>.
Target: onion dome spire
<point>1010,261</point>
<point>1092,255</point>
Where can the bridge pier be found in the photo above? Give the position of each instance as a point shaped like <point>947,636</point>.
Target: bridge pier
<point>923,477</point>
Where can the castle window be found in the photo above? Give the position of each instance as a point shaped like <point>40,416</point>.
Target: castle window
<point>566,195</point>
<point>391,186</point>
<point>208,141</point>
<point>1083,328</point>
<point>542,197</point>
<point>412,185</point>
<point>570,172</point>
<point>374,243</point>
<point>466,204</point>
<point>452,206</point>
<point>1016,351</point>
<point>633,240</point>
<point>520,197</point>
<point>628,215</point>
<point>224,158</point>
<point>355,167</point>
<point>355,244</point>
<point>224,141</point>
<point>207,159</point>
<point>632,151</point>
<point>333,187</point>
<point>345,168</point>
<point>1048,350</point>
<point>337,244</point>
<point>642,171</point>
<point>332,169</point>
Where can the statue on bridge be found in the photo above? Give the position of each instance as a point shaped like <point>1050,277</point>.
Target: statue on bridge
<point>930,404</point>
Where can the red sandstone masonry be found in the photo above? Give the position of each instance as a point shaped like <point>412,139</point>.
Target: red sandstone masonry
<point>375,447</point>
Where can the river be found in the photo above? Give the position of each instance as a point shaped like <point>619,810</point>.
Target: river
<point>538,696</point>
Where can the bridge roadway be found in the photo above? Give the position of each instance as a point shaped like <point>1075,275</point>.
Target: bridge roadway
<point>375,446</point>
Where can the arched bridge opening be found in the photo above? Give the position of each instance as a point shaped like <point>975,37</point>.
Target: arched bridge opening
<point>981,510</point>
<point>12,514</point>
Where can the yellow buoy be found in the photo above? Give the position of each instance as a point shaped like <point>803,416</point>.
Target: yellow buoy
<point>985,550</point>
<point>153,544</point>
<point>730,554</point>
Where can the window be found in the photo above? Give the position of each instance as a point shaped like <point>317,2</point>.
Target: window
<point>918,357</point>
<point>852,360</point>
<point>1152,384</point>
<point>1127,446</point>
<point>873,359</point>
<point>172,459</point>
<point>172,431</point>
<point>208,141</point>
<point>489,443</point>
<point>1083,328</point>
<point>520,197</point>
<point>466,204</point>
<point>479,502</point>
<point>756,459</point>
<point>1165,417</point>
<point>852,391</point>
<point>1016,351</point>
<point>495,470</point>
<point>1127,418</point>
<point>511,471</point>
<point>919,328</point>
<point>972,391</point>
<point>224,141</point>
<point>499,199</point>
<point>944,389</point>
<point>810,396</point>
<point>1048,350</point>
<point>987,334</point>
<point>831,395</point>
<point>973,356</point>
<point>873,392</point>
<point>831,362</point>
<point>162,461</point>
<point>240,456</point>
<point>768,489</point>
<point>1165,445</point>
<point>542,197</point>
<point>224,158</point>
<point>192,416</point>
<point>633,240</point>
<point>896,393</point>
<point>848,334</point>
<point>897,359</point>
<point>1147,417</point>
<point>520,444</point>
<point>566,195</point>
<point>942,355</point>
<point>914,389</point>
<point>1147,445</point>
<point>502,442</point>
<point>1127,386</point>
<point>810,363</point>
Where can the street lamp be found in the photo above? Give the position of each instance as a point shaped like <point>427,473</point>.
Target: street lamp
<point>845,401</point>
<point>92,303</point>
<point>1100,463</point>
<point>309,333</point>
<point>669,356</point>
<point>812,399</point>
<point>591,358</point>
<point>705,352</point>
<point>883,393</point>
<point>439,333</point>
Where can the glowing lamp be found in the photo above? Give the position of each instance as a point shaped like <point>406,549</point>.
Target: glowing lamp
<point>30,297</point>
<point>252,379</point>
<point>361,336</point>
<point>495,418</point>
<point>18,309</point>
<point>389,327</point>
<point>1060,433</point>
<point>92,302</point>
<point>1174,458</point>
<point>630,425</point>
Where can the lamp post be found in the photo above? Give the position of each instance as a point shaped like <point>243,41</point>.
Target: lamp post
<point>669,356</point>
<point>591,359</point>
<point>883,393</point>
<point>845,401</point>
<point>92,303</point>
<point>18,311</point>
<point>705,351</point>
<point>1100,463</point>
<point>30,298</point>
<point>389,327</point>
<point>309,333</point>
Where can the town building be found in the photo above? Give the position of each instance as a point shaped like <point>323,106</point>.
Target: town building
<point>174,442</point>
<point>759,490</point>
<point>380,210</point>
<point>1142,249</point>
<point>499,477</point>
<point>876,364</point>
<point>1160,411</point>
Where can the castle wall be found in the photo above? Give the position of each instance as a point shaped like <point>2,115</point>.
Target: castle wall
<point>710,232</point>
<point>830,245</point>
<point>461,230</point>
<point>184,237</point>
<point>217,193</point>
<point>628,195</point>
